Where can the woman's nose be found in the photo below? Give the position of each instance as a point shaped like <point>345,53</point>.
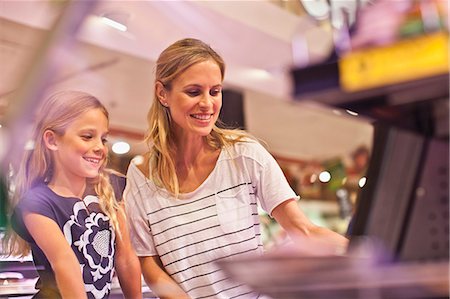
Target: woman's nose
<point>206,100</point>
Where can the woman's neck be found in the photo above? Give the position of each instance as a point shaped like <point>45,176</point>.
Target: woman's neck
<point>194,165</point>
<point>189,149</point>
<point>192,153</point>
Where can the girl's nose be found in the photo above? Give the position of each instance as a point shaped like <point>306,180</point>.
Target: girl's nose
<point>99,146</point>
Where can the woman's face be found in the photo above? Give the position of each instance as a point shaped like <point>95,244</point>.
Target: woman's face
<point>195,99</point>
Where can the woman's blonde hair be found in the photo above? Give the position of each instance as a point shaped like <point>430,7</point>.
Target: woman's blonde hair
<point>57,113</point>
<point>172,62</point>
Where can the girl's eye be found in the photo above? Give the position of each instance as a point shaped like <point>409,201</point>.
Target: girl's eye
<point>104,140</point>
<point>86,137</point>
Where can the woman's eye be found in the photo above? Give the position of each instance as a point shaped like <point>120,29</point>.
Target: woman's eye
<point>215,92</point>
<point>193,93</point>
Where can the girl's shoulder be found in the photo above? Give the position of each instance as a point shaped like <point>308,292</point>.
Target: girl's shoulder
<point>39,192</point>
<point>118,182</point>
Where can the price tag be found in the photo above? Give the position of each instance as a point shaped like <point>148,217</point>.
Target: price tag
<point>405,60</point>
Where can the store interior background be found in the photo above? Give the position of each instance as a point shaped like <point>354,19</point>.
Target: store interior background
<point>261,43</point>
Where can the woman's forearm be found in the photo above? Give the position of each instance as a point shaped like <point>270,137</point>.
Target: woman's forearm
<point>159,281</point>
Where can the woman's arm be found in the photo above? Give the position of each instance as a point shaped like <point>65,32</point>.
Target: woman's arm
<point>159,281</point>
<point>127,264</point>
<point>49,238</point>
<point>289,215</point>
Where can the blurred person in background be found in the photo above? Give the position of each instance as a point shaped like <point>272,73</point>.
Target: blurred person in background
<point>193,201</point>
<point>66,205</point>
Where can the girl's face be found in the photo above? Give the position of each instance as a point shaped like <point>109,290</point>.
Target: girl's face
<point>195,99</point>
<point>81,151</point>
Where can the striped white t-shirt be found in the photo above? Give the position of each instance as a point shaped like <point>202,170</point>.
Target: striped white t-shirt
<point>217,221</point>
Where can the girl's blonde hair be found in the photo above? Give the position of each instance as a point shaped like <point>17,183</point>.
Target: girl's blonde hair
<point>57,113</point>
<point>172,62</point>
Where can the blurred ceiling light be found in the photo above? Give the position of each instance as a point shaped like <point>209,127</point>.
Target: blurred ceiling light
<point>120,147</point>
<point>324,177</point>
<point>351,112</point>
<point>337,112</point>
<point>313,178</point>
<point>29,145</point>
<point>319,9</point>
<point>112,20</point>
<point>362,181</point>
<point>258,74</point>
<point>138,160</point>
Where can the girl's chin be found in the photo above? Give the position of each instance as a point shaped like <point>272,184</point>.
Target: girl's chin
<point>93,174</point>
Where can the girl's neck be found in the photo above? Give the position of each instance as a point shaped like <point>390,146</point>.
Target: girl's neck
<point>67,188</point>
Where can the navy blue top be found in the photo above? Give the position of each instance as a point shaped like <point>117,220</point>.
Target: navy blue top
<point>86,228</point>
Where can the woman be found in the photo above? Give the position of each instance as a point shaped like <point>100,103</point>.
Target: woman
<point>193,201</point>
<point>66,208</point>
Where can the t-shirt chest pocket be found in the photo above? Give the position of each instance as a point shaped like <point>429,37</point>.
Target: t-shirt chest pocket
<point>233,209</point>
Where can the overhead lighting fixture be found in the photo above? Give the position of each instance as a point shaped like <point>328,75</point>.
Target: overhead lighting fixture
<point>120,147</point>
<point>114,24</point>
<point>362,181</point>
<point>324,176</point>
<point>116,20</point>
<point>138,160</point>
<point>29,145</point>
<point>352,112</point>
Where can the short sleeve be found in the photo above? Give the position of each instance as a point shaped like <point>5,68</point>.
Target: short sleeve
<point>36,204</point>
<point>118,183</point>
<point>135,197</point>
<point>272,185</point>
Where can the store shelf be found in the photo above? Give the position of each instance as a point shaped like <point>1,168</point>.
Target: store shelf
<point>407,60</point>
<point>403,74</point>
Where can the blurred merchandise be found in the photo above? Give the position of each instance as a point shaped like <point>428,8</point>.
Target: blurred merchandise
<point>311,273</point>
<point>394,42</point>
<point>425,16</point>
<point>386,21</point>
<point>405,60</point>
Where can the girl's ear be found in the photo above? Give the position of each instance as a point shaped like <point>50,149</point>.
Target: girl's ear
<point>50,140</point>
<point>161,93</point>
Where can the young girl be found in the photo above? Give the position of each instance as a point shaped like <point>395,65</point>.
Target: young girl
<point>66,209</point>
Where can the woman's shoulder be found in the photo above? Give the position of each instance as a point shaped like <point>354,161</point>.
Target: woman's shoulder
<point>139,167</point>
<point>249,148</point>
<point>249,144</point>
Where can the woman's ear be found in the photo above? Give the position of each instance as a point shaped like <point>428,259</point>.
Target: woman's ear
<point>50,140</point>
<point>161,93</point>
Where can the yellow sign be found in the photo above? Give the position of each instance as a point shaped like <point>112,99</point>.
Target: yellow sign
<point>406,60</point>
